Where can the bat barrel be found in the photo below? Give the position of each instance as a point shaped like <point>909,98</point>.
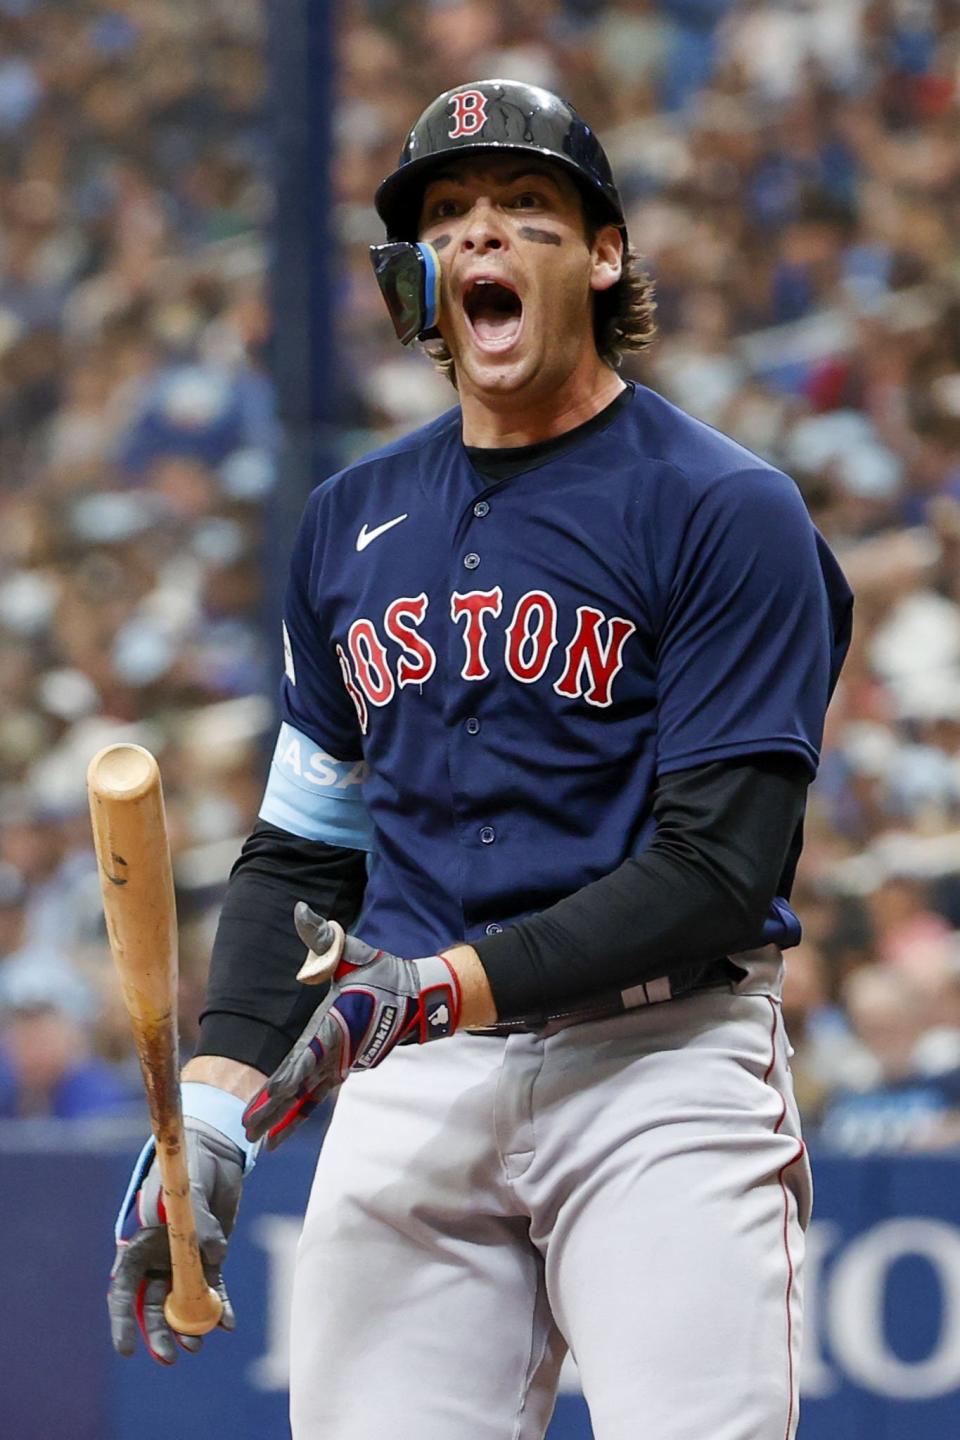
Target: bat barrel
<point>136,881</point>
<point>123,772</point>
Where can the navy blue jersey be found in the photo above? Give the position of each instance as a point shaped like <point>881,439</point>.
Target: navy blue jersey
<point>501,670</point>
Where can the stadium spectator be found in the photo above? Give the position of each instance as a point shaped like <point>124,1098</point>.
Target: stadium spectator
<point>898,1098</point>
<point>46,1070</point>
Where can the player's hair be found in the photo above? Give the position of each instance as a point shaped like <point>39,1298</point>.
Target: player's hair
<point>623,316</point>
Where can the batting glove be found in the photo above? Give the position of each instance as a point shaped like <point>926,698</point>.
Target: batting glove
<point>140,1278</point>
<point>375,1001</point>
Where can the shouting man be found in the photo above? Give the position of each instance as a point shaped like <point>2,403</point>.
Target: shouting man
<point>556,673</point>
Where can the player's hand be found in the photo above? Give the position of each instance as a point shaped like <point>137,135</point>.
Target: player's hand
<point>140,1278</point>
<point>375,1001</point>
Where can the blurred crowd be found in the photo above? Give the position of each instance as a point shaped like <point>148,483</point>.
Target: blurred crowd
<point>136,462</point>
<point>791,173</point>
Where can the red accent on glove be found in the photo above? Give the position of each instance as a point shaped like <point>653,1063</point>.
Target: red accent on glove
<point>290,1116</point>
<point>457,991</point>
<point>141,1295</point>
<point>344,969</point>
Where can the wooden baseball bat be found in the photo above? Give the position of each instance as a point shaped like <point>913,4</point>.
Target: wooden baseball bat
<point>133,856</point>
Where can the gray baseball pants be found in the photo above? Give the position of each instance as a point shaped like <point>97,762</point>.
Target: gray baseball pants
<point>633,1189</point>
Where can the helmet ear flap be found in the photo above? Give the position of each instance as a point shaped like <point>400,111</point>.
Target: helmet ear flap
<point>409,278</point>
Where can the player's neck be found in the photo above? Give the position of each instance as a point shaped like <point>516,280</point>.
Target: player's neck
<point>511,418</point>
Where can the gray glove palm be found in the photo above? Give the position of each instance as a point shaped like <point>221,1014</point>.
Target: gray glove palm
<point>140,1278</point>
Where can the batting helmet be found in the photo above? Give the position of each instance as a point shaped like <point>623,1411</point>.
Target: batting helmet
<point>496,116</point>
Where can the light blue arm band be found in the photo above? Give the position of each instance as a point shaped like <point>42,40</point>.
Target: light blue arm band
<point>224,1112</point>
<point>310,793</point>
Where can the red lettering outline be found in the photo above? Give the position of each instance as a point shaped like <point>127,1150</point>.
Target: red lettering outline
<point>469,113</point>
<point>586,653</point>
<point>409,672</point>
<point>476,605</point>
<point>520,636</point>
<point>352,691</point>
<point>368,667</point>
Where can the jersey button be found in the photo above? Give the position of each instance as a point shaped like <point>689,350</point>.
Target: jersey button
<point>487,834</point>
<point>473,726</point>
<point>494,929</point>
<point>481,508</point>
<point>471,561</point>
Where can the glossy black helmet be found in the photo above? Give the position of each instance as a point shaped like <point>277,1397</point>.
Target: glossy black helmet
<point>496,116</point>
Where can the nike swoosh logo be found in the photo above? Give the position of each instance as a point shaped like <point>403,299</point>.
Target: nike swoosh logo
<point>365,536</point>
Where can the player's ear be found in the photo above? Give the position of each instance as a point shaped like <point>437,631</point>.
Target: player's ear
<point>606,258</point>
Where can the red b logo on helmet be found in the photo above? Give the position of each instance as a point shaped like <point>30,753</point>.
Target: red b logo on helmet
<point>469,113</point>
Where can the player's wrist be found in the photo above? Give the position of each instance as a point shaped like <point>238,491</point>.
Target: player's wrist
<point>233,1076</point>
<point>477,1007</point>
<point>221,1112</point>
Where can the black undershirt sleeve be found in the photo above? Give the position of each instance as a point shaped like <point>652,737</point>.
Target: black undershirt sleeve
<point>726,843</point>
<point>256,1007</point>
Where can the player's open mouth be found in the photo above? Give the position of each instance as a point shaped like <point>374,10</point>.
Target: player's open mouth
<point>494,311</point>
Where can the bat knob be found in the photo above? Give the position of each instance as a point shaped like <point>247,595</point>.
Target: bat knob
<point>198,1316</point>
<point>318,968</point>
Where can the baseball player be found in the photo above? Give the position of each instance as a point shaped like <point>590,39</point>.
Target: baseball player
<point>556,672</point>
